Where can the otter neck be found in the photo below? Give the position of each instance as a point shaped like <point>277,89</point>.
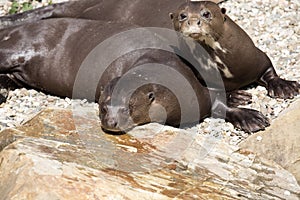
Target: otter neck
<point>210,42</point>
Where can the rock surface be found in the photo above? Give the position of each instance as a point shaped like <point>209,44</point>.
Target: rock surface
<point>280,142</point>
<point>63,154</point>
<point>271,24</point>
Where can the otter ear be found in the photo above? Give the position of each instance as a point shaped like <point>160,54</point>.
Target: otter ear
<point>223,11</point>
<point>151,96</point>
<point>171,15</point>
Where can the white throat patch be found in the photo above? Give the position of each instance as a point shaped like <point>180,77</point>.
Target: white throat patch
<point>208,40</point>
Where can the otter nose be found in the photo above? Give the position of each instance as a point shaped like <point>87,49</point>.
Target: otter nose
<point>112,122</point>
<point>194,22</point>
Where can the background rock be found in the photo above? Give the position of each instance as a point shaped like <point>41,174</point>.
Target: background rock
<point>271,24</point>
<point>280,142</point>
<point>63,154</point>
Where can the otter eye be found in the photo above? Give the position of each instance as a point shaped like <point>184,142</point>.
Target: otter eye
<point>103,109</point>
<point>151,96</point>
<point>182,16</point>
<point>206,14</point>
<point>125,110</point>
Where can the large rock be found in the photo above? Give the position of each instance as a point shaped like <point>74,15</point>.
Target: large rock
<point>280,142</point>
<point>63,154</point>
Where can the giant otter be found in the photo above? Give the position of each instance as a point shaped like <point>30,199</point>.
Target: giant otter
<point>48,55</point>
<point>238,59</point>
<point>240,62</point>
<point>140,12</point>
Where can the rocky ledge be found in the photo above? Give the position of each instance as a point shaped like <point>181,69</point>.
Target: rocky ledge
<point>273,26</point>
<point>64,154</point>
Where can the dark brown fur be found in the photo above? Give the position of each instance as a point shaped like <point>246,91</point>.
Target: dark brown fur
<point>36,55</point>
<point>243,60</point>
<point>239,60</point>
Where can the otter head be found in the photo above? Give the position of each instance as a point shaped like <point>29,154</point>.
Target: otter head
<point>200,20</point>
<point>122,109</point>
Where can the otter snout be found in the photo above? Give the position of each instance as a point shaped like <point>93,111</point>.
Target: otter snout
<point>190,26</point>
<point>114,118</point>
<point>194,22</point>
<point>112,123</point>
<point>193,27</point>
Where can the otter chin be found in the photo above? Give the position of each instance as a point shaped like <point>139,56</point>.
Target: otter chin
<point>115,124</point>
<point>195,36</point>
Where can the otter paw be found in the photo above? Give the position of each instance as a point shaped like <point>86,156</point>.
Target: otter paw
<point>238,97</point>
<point>247,120</point>
<point>280,88</point>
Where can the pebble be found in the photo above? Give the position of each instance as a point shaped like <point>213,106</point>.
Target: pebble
<point>259,138</point>
<point>272,24</point>
<point>287,193</point>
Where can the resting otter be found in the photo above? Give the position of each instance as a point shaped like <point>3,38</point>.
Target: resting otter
<point>49,55</point>
<point>239,60</point>
<point>140,12</point>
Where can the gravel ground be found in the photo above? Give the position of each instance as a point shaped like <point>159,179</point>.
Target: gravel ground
<point>274,27</point>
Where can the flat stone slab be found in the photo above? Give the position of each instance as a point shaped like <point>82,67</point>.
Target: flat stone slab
<point>280,142</point>
<point>64,154</point>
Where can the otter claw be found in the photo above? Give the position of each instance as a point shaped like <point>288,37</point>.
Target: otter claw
<point>280,88</point>
<point>247,120</point>
<point>238,97</point>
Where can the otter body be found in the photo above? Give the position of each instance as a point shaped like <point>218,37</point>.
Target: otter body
<point>51,56</point>
<point>150,13</point>
<point>47,54</point>
<point>240,62</point>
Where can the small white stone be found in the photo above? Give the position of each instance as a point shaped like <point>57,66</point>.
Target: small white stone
<point>259,138</point>
<point>287,193</point>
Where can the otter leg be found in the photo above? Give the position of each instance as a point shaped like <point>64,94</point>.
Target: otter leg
<point>278,87</point>
<point>8,62</point>
<point>27,17</point>
<point>71,9</point>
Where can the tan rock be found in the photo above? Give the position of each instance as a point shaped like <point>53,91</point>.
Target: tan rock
<point>63,154</point>
<point>280,142</point>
